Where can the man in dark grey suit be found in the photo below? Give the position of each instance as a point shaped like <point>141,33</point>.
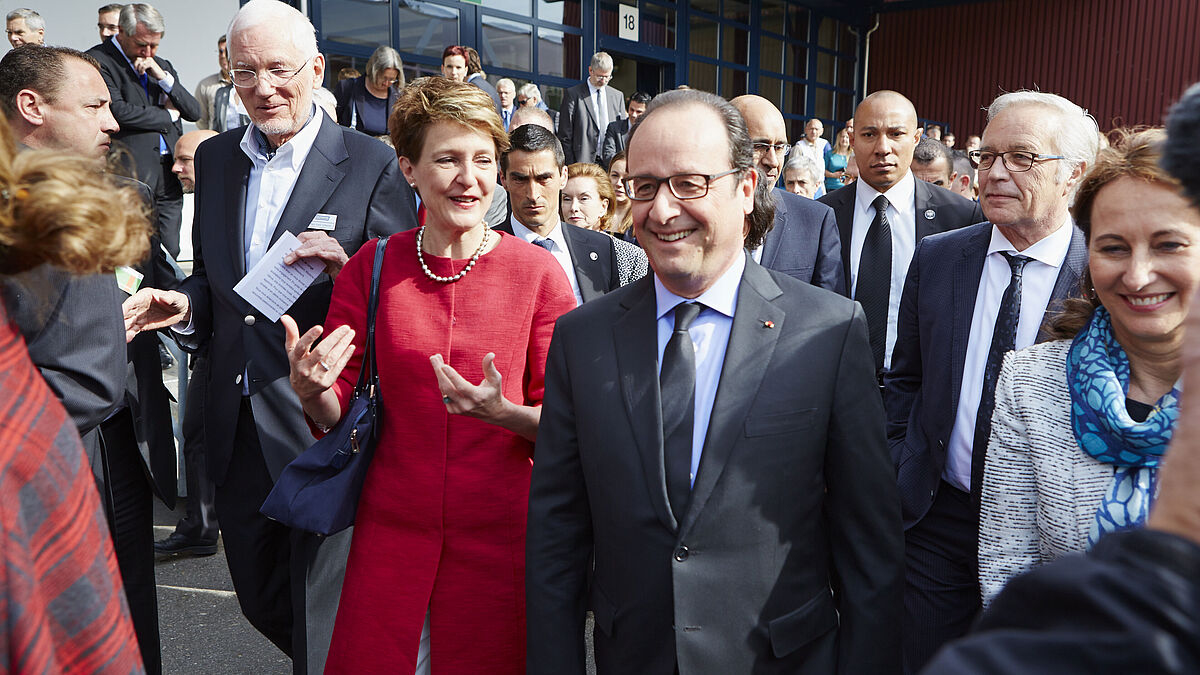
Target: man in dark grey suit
<point>972,295</point>
<point>738,522</point>
<point>475,77</point>
<point>617,134</point>
<point>876,249</point>
<point>148,101</point>
<point>342,188</point>
<point>534,174</point>
<point>55,98</point>
<point>804,241</point>
<point>586,111</point>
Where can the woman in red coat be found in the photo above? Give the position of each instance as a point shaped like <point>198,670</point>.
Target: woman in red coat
<point>437,564</point>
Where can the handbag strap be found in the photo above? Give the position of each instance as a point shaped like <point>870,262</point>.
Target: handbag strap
<point>367,374</point>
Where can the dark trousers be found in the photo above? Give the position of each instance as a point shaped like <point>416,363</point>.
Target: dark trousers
<point>267,561</point>
<point>168,204</point>
<point>199,521</point>
<point>941,590</point>
<point>128,505</point>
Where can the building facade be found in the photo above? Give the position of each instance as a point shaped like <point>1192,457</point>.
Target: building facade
<point>804,59</point>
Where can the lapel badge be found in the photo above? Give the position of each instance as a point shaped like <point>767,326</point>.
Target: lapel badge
<point>593,256</point>
<point>768,324</point>
<point>929,214</point>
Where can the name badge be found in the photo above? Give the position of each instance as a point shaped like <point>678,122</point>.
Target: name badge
<point>323,221</point>
<point>129,279</point>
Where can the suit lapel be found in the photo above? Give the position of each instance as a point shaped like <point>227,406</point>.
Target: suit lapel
<point>965,286</point>
<point>319,177</point>
<point>747,356</point>
<point>589,104</point>
<point>237,176</point>
<point>588,269</point>
<point>772,242</point>
<point>1067,283</point>
<point>635,336</point>
<point>843,213</point>
<point>926,211</point>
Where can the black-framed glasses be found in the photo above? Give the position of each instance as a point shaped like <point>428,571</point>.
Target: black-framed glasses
<point>522,101</point>
<point>275,77</point>
<point>781,149</point>
<point>682,185</point>
<point>1014,160</point>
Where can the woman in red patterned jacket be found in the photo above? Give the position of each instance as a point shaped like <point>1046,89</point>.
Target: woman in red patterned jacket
<point>62,609</point>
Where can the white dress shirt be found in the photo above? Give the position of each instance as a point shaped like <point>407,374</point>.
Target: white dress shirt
<point>598,94</point>
<point>902,219</point>
<point>710,335</point>
<point>271,183</point>
<point>558,247</point>
<point>1037,284</point>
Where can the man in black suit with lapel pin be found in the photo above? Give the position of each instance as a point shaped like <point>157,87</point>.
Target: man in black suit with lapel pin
<point>293,170</point>
<point>804,241</point>
<point>148,101</point>
<point>711,438</point>
<point>971,296</point>
<point>883,215</point>
<point>533,173</point>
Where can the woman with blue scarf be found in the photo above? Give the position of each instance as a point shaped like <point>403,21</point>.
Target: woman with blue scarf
<point>1081,424</point>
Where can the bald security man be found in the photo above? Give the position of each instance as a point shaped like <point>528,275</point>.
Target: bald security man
<point>804,242</point>
<point>882,216</point>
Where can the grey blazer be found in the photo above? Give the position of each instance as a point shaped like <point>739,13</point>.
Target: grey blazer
<point>578,124</point>
<point>347,174</point>
<point>788,559</point>
<point>1040,491</point>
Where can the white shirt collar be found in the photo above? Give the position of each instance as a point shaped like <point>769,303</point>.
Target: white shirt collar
<point>901,196</point>
<point>556,235</point>
<point>294,151</point>
<point>1051,249</point>
<point>721,296</point>
<point>118,46</point>
<point>592,89</point>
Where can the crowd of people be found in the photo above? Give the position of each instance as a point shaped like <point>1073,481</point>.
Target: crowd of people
<point>868,405</point>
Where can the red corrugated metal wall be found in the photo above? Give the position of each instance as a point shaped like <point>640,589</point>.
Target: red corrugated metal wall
<point>1126,61</point>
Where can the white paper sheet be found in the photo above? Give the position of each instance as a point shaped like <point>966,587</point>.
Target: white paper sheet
<point>272,286</point>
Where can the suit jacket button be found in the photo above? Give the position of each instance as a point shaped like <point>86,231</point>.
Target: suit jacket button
<point>681,554</point>
<point>249,319</point>
<point>237,379</point>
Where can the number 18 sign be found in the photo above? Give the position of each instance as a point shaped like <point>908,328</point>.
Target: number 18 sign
<point>628,23</point>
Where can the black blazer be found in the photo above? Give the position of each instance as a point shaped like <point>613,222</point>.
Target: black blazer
<point>142,120</point>
<point>351,96</point>
<point>804,242</point>
<point>347,174</point>
<point>594,257</point>
<point>922,387</point>
<point>938,210</point>
<point>614,140</point>
<point>789,558</point>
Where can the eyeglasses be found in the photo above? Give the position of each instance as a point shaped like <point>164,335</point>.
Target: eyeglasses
<point>682,185</point>
<point>522,101</point>
<point>781,149</point>
<point>1014,160</point>
<point>275,77</point>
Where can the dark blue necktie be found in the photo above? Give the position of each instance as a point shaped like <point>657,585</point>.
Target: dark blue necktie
<point>873,290</point>
<point>544,243</point>
<point>677,384</point>
<point>1004,340</point>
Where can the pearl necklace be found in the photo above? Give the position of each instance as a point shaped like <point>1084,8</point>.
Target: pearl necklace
<point>449,280</point>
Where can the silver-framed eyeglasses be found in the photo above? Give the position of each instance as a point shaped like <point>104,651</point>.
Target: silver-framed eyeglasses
<point>781,149</point>
<point>682,185</point>
<point>275,77</point>
<point>1014,160</point>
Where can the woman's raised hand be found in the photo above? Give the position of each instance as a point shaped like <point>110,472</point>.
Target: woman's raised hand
<point>315,369</point>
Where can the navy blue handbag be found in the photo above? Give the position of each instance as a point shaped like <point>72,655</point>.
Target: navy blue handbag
<point>319,490</point>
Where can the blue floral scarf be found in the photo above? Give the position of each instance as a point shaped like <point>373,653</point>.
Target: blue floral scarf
<point>1098,378</point>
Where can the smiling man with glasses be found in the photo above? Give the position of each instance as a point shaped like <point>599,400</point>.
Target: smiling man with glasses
<point>712,479</point>
<point>972,295</point>
<point>293,169</point>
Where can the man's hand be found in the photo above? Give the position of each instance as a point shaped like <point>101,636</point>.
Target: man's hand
<point>149,66</point>
<point>151,309</point>
<point>315,244</point>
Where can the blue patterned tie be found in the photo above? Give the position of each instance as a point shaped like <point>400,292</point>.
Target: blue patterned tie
<point>873,290</point>
<point>677,384</point>
<point>1004,340</point>
<point>544,243</point>
<point>145,80</point>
